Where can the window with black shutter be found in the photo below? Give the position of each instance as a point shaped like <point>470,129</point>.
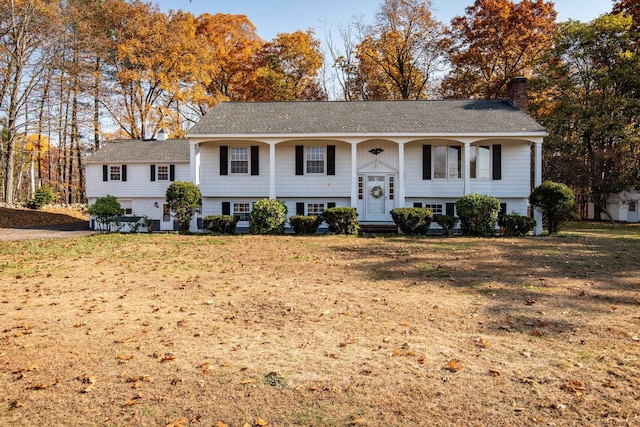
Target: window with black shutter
<point>497,162</point>
<point>426,162</point>
<point>224,160</point>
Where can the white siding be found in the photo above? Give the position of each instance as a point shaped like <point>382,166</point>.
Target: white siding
<point>387,159</point>
<point>214,184</point>
<point>138,183</point>
<point>288,184</point>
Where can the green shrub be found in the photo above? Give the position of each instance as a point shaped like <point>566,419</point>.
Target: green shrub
<point>557,203</point>
<point>412,221</point>
<point>342,220</point>
<point>305,225</point>
<point>516,224</point>
<point>184,199</point>
<point>478,214</point>
<point>223,224</point>
<point>268,216</point>
<point>42,197</point>
<point>447,222</point>
<point>105,210</point>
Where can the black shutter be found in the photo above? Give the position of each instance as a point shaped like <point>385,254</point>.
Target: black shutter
<point>299,160</point>
<point>224,160</point>
<point>124,172</point>
<point>300,208</point>
<point>331,159</point>
<point>450,209</point>
<point>255,160</point>
<point>502,212</point>
<point>172,172</point>
<point>426,162</point>
<point>105,172</point>
<point>497,162</point>
<point>226,208</point>
<point>417,205</point>
<point>331,205</point>
<point>153,172</point>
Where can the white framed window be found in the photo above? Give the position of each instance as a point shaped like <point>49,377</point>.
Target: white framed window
<point>315,160</point>
<point>436,209</point>
<point>127,205</point>
<point>315,208</point>
<point>242,210</point>
<point>163,173</point>
<point>633,205</point>
<point>447,161</point>
<point>239,160</point>
<point>360,187</point>
<point>114,173</point>
<point>480,157</point>
<point>392,188</point>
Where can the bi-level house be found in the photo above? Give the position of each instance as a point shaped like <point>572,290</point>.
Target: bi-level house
<point>373,155</point>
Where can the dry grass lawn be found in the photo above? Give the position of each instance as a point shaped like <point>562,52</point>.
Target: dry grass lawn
<point>154,330</point>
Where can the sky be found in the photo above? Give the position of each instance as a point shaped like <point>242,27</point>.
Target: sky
<point>286,16</point>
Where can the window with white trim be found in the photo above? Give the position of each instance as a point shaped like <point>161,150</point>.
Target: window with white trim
<point>315,160</point>
<point>447,161</point>
<point>127,206</point>
<point>633,205</point>
<point>315,208</point>
<point>436,209</point>
<point>360,187</point>
<point>114,173</point>
<point>480,157</point>
<point>239,161</point>
<point>163,173</point>
<point>242,210</point>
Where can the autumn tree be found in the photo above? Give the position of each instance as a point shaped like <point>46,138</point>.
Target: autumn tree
<point>630,7</point>
<point>231,44</point>
<point>400,53</point>
<point>27,44</point>
<point>495,41</point>
<point>153,56</point>
<point>592,107</point>
<point>286,69</point>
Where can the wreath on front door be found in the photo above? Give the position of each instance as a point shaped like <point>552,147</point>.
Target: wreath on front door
<point>376,192</point>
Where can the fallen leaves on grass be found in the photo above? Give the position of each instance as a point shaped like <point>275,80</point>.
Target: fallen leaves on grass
<point>453,365</point>
<point>180,422</point>
<point>574,386</point>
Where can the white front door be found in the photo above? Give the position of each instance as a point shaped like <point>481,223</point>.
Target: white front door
<point>377,198</point>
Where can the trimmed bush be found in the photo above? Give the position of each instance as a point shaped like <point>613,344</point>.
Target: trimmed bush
<point>223,224</point>
<point>305,225</point>
<point>412,221</point>
<point>42,197</point>
<point>342,220</point>
<point>478,214</point>
<point>268,217</point>
<point>517,225</point>
<point>557,203</point>
<point>184,199</point>
<point>447,222</point>
<point>105,210</point>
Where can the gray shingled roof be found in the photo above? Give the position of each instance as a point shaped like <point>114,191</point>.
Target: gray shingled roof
<point>370,117</point>
<point>135,151</point>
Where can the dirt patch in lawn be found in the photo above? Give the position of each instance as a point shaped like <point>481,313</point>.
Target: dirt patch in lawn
<point>14,217</point>
<point>175,330</point>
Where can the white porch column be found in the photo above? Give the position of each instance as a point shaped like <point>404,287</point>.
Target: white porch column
<point>537,180</point>
<point>194,157</point>
<point>272,170</point>
<point>194,169</point>
<point>400,189</point>
<point>467,168</point>
<point>354,175</point>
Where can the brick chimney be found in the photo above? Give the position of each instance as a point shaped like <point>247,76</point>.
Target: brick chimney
<point>517,92</point>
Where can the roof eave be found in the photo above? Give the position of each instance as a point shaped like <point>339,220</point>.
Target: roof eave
<point>430,135</point>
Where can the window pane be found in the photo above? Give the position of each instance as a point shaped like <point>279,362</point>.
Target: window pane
<point>440,162</point>
<point>315,208</point>
<point>315,159</point>
<point>114,173</point>
<point>242,210</point>
<point>239,160</point>
<point>473,156</point>
<point>484,155</point>
<point>455,156</point>
<point>163,173</point>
